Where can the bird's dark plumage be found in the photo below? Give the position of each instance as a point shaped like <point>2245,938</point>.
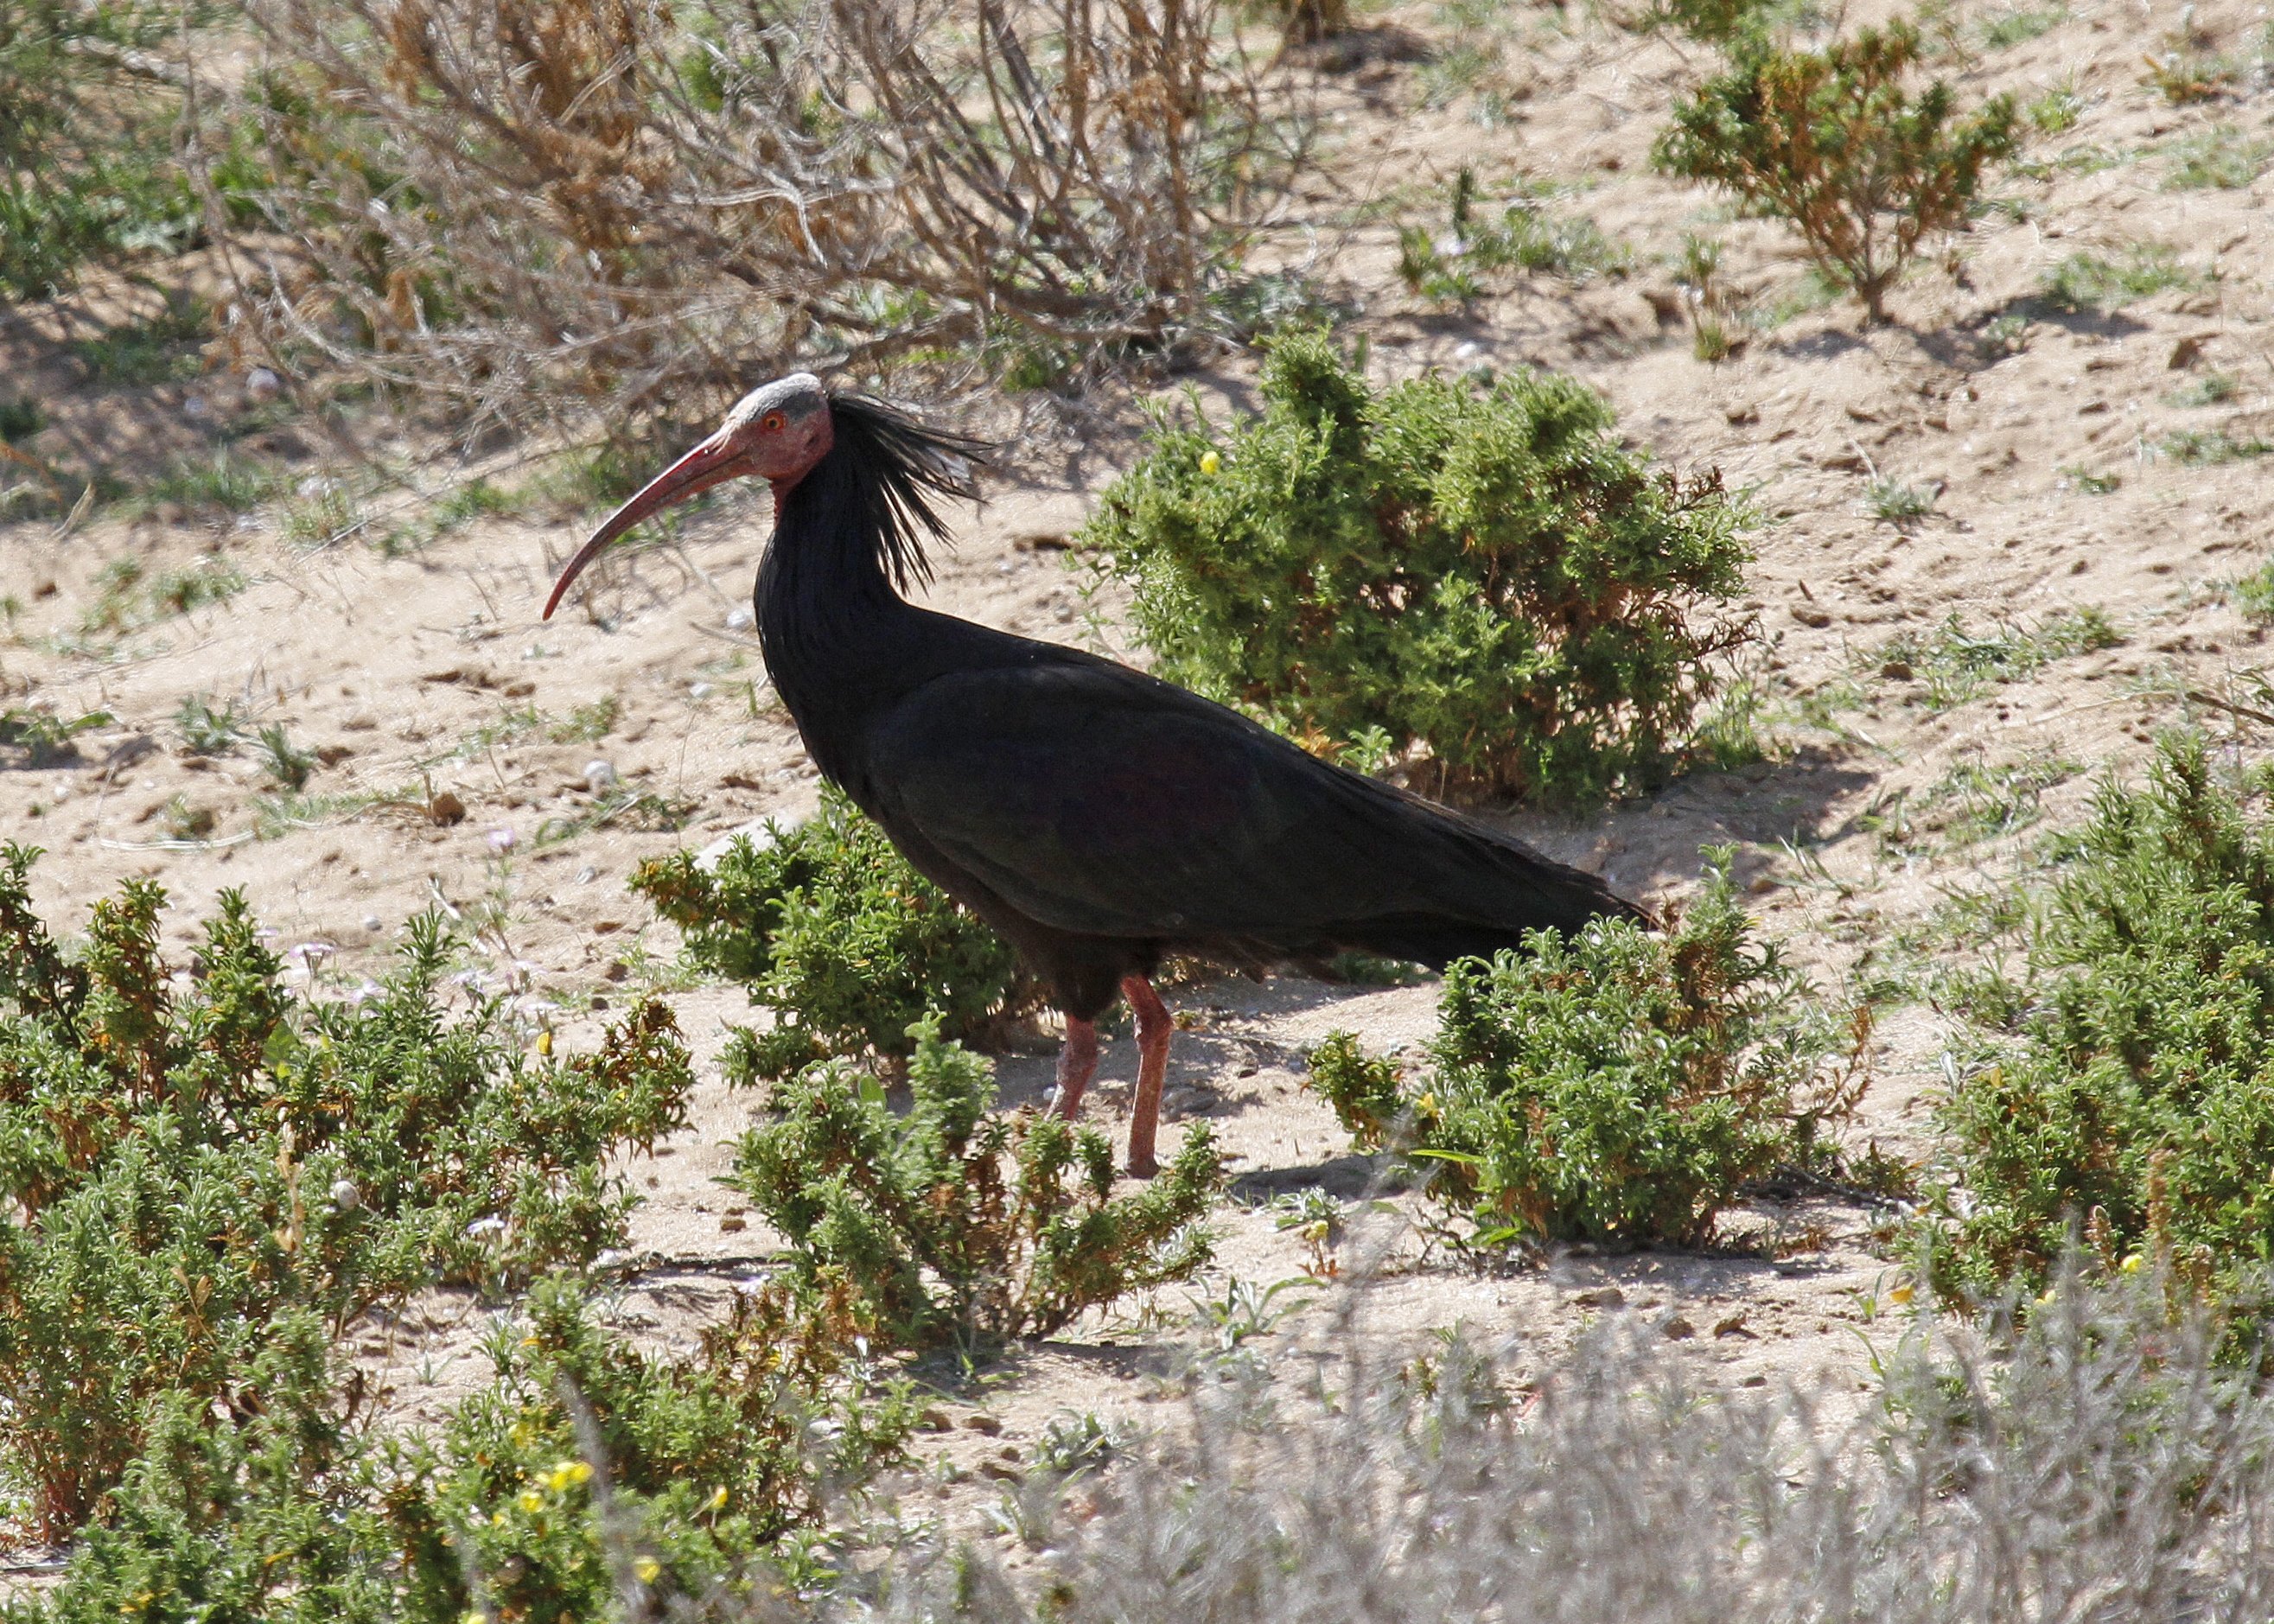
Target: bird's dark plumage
<point>1098,818</point>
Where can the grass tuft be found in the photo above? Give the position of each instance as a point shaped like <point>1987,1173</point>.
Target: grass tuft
<point>2094,281</point>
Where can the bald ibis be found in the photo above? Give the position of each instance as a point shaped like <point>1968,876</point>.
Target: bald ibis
<point>1100,819</point>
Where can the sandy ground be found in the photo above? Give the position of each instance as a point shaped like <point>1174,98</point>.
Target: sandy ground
<point>428,673</point>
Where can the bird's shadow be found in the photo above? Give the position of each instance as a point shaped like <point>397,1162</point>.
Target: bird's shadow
<point>1200,1053</point>
<point>1349,1178</point>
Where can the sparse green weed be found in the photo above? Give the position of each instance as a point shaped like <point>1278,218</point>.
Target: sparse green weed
<point>222,483</point>
<point>2057,111</point>
<point>634,808</point>
<point>2184,73</point>
<point>1957,665</point>
<point>2076,477</point>
<point>45,737</point>
<point>283,760</point>
<point>2003,336</point>
<point>2203,447</point>
<point>2210,389</point>
<point>327,512</point>
<point>161,348</point>
<point>587,724</point>
<point>2254,594</point>
<point>2002,30</point>
<point>128,597</point>
<point>1525,238</point>
<point>206,730</point>
<point>2222,157</point>
<point>1894,502</point>
<point>2089,281</point>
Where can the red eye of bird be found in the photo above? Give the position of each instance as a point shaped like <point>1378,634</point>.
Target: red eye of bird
<point>773,423</point>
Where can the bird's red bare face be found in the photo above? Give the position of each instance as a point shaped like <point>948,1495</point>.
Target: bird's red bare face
<point>777,433</point>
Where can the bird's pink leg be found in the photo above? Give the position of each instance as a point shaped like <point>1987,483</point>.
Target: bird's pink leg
<point>1154,1026</point>
<point>1077,1064</point>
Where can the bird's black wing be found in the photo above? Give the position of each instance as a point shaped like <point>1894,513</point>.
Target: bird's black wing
<point>1099,800</point>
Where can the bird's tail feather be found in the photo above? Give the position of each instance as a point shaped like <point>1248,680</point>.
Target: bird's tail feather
<point>1508,891</point>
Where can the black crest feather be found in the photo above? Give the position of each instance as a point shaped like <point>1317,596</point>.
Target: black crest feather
<point>903,464</point>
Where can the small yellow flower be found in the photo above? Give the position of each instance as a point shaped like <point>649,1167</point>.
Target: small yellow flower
<point>2131,1265</point>
<point>718,1499</point>
<point>1210,462</point>
<point>1426,1106</point>
<point>498,1519</point>
<point>1901,1293</point>
<point>2047,1298</point>
<point>648,1570</point>
<point>544,1043</point>
<point>473,1615</point>
<point>530,1499</point>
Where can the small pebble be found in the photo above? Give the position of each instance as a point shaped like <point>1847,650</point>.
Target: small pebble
<point>372,923</point>
<point>739,619</point>
<point>700,691</point>
<point>262,386</point>
<point>600,777</point>
<point>586,875</point>
<point>446,808</point>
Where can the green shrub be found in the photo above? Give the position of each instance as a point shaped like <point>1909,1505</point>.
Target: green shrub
<point>703,1462</point>
<point>585,1474</point>
<point>847,944</point>
<point>1831,142</point>
<point>1488,574</point>
<point>1620,1088</point>
<point>2130,1090</point>
<point>956,1222</point>
<point>180,1166</point>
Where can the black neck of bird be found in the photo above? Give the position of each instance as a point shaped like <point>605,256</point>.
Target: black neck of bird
<point>836,637</point>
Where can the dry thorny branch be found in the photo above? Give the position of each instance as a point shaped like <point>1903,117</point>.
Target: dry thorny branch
<point>533,207</point>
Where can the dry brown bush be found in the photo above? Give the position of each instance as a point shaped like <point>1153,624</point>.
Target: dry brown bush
<point>528,205</point>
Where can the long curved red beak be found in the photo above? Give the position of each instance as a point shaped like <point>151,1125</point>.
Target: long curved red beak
<point>710,463</point>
